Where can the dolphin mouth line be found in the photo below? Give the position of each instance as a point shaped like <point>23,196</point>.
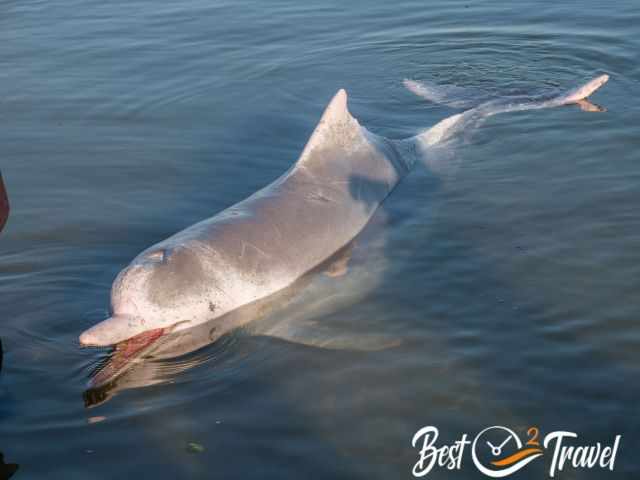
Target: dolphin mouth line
<point>132,345</point>
<point>127,352</point>
<point>124,354</point>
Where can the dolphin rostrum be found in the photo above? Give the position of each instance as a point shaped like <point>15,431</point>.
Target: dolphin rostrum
<point>266,242</point>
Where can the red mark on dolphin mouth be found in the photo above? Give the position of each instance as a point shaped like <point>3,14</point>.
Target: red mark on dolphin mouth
<point>123,353</point>
<point>130,347</point>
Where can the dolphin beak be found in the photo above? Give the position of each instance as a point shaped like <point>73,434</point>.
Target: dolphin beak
<point>111,331</point>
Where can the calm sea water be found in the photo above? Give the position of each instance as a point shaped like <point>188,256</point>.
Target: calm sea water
<point>510,281</point>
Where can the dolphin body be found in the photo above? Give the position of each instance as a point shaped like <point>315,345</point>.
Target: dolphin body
<point>266,242</point>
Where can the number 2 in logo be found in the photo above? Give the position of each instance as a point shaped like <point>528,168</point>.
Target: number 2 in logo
<point>533,433</point>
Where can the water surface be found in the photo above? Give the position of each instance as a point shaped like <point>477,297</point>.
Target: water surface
<point>510,280</point>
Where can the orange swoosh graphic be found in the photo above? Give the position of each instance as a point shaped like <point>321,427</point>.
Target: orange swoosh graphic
<point>527,452</point>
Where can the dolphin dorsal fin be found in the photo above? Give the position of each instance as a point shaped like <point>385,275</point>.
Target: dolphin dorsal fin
<point>337,128</point>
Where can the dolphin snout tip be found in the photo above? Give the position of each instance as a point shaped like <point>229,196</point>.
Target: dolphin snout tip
<point>92,338</point>
<point>112,331</point>
<point>87,339</point>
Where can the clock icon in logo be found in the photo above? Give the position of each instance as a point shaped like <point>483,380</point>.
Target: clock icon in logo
<point>498,451</point>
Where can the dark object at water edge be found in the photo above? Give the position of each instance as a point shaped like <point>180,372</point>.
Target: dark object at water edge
<point>4,204</point>
<point>7,469</point>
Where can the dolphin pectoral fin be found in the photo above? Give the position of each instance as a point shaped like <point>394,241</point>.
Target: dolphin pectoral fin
<point>314,335</point>
<point>340,264</point>
<point>587,106</point>
<point>338,269</point>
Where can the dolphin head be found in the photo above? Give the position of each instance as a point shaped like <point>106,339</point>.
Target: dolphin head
<point>161,291</point>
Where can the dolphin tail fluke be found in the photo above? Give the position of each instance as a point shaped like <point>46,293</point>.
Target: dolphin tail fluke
<point>450,126</point>
<point>584,91</point>
<point>467,97</point>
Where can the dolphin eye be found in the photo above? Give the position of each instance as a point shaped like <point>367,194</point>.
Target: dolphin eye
<point>212,333</point>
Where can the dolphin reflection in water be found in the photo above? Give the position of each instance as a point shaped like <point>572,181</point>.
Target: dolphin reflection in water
<point>216,276</point>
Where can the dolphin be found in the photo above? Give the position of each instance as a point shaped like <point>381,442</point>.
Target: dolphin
<point>263,244</point>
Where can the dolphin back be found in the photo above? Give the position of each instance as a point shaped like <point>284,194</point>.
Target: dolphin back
<point>267,241</point>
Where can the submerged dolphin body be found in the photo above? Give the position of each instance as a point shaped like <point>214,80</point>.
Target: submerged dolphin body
<point>265,243</point>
